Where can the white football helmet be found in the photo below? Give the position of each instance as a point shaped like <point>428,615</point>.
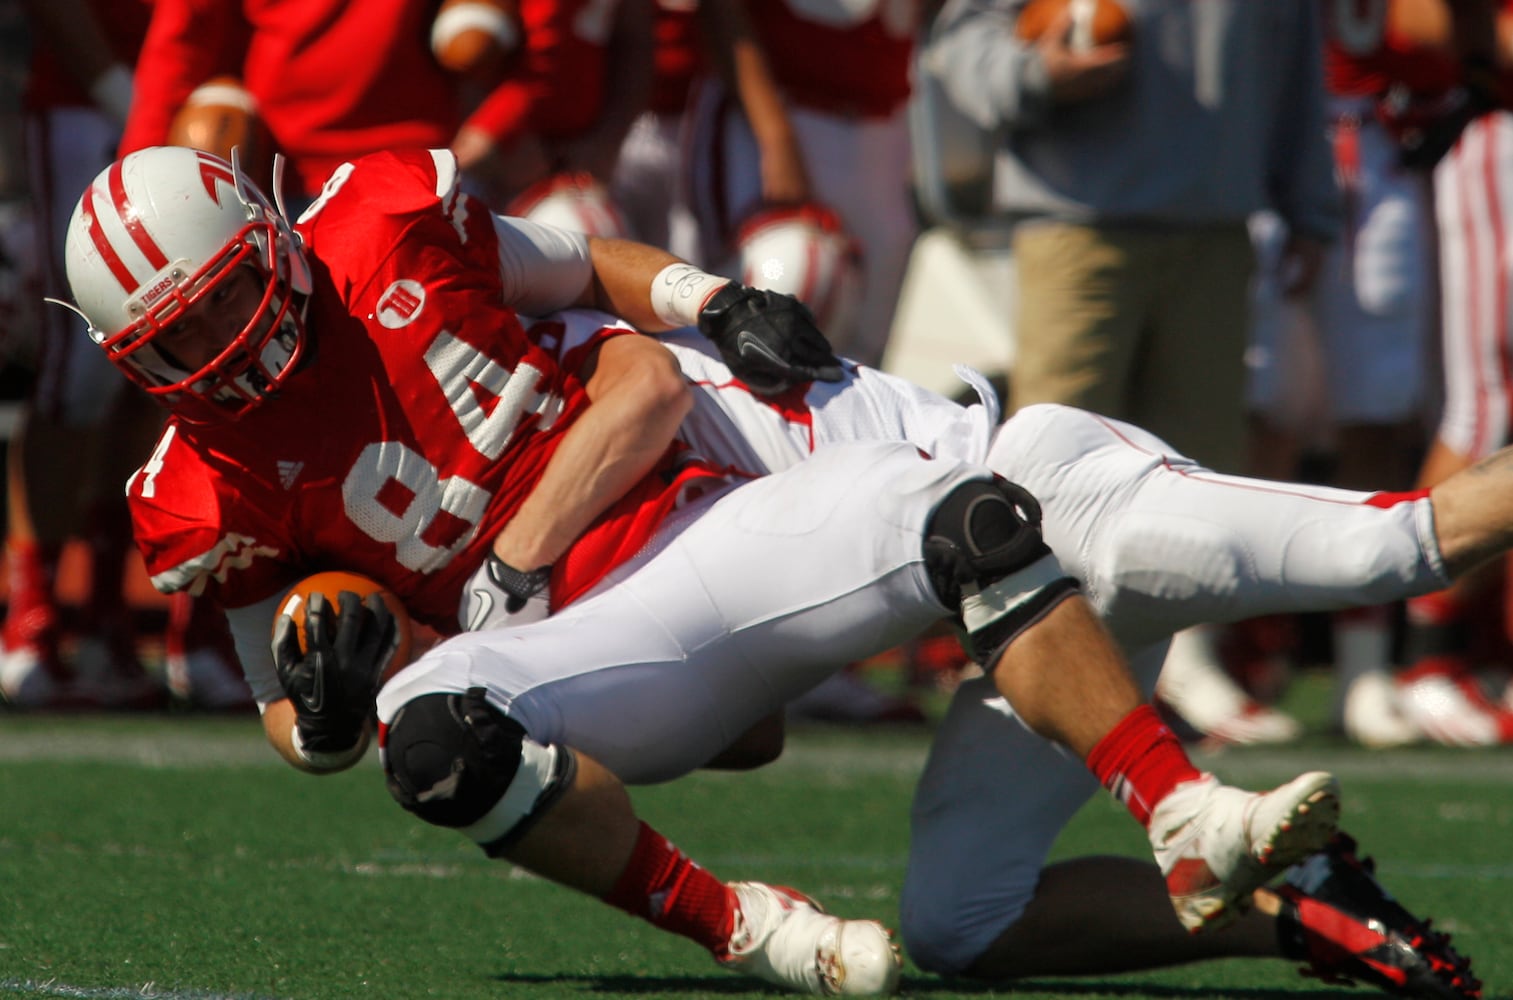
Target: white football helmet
<point>157,232</point>
<point>805,251</point>
<point>572,201</point>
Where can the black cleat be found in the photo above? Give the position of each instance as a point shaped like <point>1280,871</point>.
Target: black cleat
<point>1337,918</point>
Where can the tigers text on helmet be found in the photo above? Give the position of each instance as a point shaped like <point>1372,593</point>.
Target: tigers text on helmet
<point>805,251</point>
<point>160,231</point>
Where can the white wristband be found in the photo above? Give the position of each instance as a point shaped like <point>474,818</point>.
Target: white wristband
<point>679,291</point>
<point>329,761</point>
<point>111,92</point>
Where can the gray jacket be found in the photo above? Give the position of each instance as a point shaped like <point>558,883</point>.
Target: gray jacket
<point>1222,114</point>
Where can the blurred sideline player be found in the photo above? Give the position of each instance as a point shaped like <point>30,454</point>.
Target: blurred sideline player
<point>380,86</point>
<point>873,505</point>
<point>649,168</point>
<point>1440,688</point>
<point>1368,321</point>
<point>807,108</point>
<point>81,430</point>
<point>544,142</point>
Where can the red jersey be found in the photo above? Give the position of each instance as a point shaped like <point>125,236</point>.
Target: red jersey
<point>677,55</point>
<point>51,83</point>
<point>848,56</point>
<point>421,418</point>
<point>1363,56</point>
<point>557,82</point>
<point>333,79</point>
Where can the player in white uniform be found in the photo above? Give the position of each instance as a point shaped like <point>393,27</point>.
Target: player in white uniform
<point>884,541</point>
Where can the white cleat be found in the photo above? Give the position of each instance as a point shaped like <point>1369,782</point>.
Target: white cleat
<point>29,680</point>
<point>1371,715</point>
<point>1194,684</point>
<point>1216,844</point>
<point>783,937</point>
<point>1452,710</point>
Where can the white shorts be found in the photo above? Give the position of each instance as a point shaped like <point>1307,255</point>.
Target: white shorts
<point>745,606</point>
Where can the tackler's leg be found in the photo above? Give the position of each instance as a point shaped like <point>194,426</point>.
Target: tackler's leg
<point>1056,665</point>
<point>1161,543</point>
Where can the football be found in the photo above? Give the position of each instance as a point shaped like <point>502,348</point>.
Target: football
<point>332,583</point>
<point>473,38</point>
<point>220,114</point>
<point>1094,22</point>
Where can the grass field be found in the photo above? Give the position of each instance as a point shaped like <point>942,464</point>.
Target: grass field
<point>175,857</point>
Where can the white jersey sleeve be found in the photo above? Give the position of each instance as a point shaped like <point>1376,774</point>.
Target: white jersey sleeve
<point>543,268</point>
<point>252,633</point>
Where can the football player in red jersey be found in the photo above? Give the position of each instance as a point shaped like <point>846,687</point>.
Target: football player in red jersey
<point>330,407</point>
<point>331,80</point>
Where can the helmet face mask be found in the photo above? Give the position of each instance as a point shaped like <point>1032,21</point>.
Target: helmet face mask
<point>165,235</point>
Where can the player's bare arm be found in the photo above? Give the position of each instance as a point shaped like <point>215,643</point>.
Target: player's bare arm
<point>639,399</point>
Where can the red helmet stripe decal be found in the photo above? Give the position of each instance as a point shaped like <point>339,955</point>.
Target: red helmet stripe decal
<point>156,258</point>
<point>108,254</point>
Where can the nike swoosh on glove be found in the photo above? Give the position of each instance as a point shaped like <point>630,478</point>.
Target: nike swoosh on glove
<point>333,677</point>
<point>768,339</point>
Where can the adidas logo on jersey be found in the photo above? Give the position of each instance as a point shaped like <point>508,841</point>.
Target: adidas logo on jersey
<point>288,472</point>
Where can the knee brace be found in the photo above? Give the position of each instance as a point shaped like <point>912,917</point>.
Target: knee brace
<point>456,761</point>
<point>985,556</point>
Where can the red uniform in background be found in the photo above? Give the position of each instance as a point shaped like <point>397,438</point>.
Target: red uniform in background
<point>333,79</point>
<point>557,83</point>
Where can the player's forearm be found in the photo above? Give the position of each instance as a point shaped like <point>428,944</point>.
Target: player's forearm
<point>635,414</point>
<point>622,285</point>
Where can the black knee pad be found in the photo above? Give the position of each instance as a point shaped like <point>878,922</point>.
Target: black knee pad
<point>986,557</point>
<point>448,758</point>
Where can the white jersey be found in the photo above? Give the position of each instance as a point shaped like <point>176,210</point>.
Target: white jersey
<point>752,597</point>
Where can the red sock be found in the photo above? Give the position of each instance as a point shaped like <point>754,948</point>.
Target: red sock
<point>661,885</point>
<point>32,615</point>
<point>1140,761</point>
<point>1441,607</point>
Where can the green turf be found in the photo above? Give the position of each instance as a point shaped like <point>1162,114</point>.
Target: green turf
<point>174,857</point>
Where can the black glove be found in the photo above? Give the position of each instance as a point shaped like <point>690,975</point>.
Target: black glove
<point>334,680</point>
<point>768,339</point>
<point>521,585</point>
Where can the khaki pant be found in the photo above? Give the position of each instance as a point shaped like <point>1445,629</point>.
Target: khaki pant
<point>1146,326</point>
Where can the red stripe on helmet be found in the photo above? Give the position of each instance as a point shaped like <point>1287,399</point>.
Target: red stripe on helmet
<point>118,268</point>
<point>156,258</point>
